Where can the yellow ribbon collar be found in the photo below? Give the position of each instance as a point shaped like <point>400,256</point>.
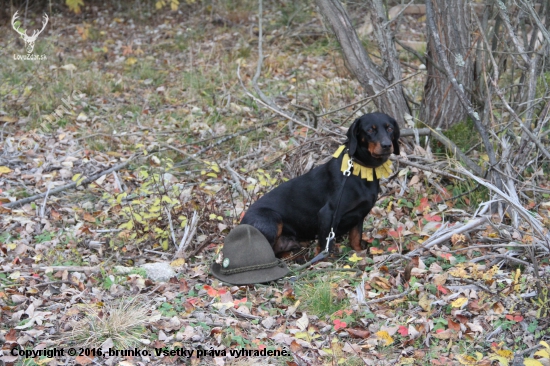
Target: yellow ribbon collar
<point>364,172</point>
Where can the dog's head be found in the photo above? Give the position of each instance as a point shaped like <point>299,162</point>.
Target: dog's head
<point>372,138</point>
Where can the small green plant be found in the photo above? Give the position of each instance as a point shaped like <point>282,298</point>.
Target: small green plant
<point>319,298</point>
<point>6,238</point>
<point>145,216</point>
<point>167,310</point>
<point>505,324</point>
<point>44,237</point>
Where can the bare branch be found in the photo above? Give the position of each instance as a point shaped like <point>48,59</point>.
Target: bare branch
<point>359,63</point>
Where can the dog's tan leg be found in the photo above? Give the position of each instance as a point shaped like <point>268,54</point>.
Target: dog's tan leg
<point>355,238</point>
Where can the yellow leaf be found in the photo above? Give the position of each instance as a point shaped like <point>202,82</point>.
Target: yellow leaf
<point>130,61</point>
<point>154,209</point>
<point>424,302</point>
<point>542,353</point>
<point>78,178</point>
<point>531,362</point>
<point>354,258</point>
<point>459,272</point>
<point>177,263</point>
<point>466,360</point>
<point>501,360</point>
<point>460,302</point>
<point>120,197</point>
<point>174,5</point>
<point>15,275</point>
<point>382,334</point>
<point>43,361</point>
<point>164,244</point>
<point>74,5</point>
<point>543,343</point>
<point>517,275</point>
<point>168,200</point>
<point>505,353</point>
<point>138,218</point>
<point>215,167</point>
<point>127,225</point>
<point>4,170</point>
<point>406,361</point>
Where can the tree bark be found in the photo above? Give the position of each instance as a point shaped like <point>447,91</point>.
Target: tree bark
<point>360,64</point>
<point>441,106</point>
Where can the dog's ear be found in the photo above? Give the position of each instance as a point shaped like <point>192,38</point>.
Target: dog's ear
<point>396,135</point>
<point>352,136</point>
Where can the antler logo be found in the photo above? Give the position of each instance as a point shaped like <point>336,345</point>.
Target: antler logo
<point>29,40</point>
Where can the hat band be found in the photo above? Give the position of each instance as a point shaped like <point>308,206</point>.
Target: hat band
<point>277,262</point>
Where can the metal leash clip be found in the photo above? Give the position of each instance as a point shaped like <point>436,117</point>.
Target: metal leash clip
<point>330,237</point>
<point>347,172</point>
<point>324,253</point>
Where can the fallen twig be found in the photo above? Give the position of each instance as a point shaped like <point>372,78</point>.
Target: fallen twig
<point>501,256</point>
<point>188,234</point>
<point>472,282</point>
<point>389,298</point>
<point>243,315</point>
<point>201,246</point>
<point>424,167</point>
<point>71,268</point>
<point>526,215</point>
<point>70,185</point>
<point>463,228</point>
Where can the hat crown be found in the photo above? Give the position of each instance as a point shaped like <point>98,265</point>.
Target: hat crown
<point>246,249</point>
<point>248,258</point>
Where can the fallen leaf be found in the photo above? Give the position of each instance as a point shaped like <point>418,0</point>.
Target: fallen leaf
<point>460,302</point>
<point>385,336</point>
<point>5,170</point>
<point>358,333</point>
<point>303,322</point>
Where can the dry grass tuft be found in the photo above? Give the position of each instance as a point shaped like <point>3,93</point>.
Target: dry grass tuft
<point>122,322</point>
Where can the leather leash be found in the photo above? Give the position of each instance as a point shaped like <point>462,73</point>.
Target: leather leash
<point>332,234</point>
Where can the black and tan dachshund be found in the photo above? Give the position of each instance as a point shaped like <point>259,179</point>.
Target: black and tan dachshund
<point>307,206</point>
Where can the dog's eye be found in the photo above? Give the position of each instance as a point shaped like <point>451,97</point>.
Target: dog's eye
<point>390,129</point>
<point>370,130</point>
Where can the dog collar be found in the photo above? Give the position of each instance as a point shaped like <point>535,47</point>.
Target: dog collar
<point>364,172</point>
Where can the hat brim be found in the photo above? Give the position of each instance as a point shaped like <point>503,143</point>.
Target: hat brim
<point>250,277</point>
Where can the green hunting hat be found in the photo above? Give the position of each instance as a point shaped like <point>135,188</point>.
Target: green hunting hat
<point>248,258</point>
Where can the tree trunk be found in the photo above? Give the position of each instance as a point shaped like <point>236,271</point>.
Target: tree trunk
<point>361,66</point>
<point>441,106</point>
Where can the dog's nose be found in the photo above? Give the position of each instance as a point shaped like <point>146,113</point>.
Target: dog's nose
<point>386,145</point>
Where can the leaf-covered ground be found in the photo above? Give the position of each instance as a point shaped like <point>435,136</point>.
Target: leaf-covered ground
<point>160,92</point>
